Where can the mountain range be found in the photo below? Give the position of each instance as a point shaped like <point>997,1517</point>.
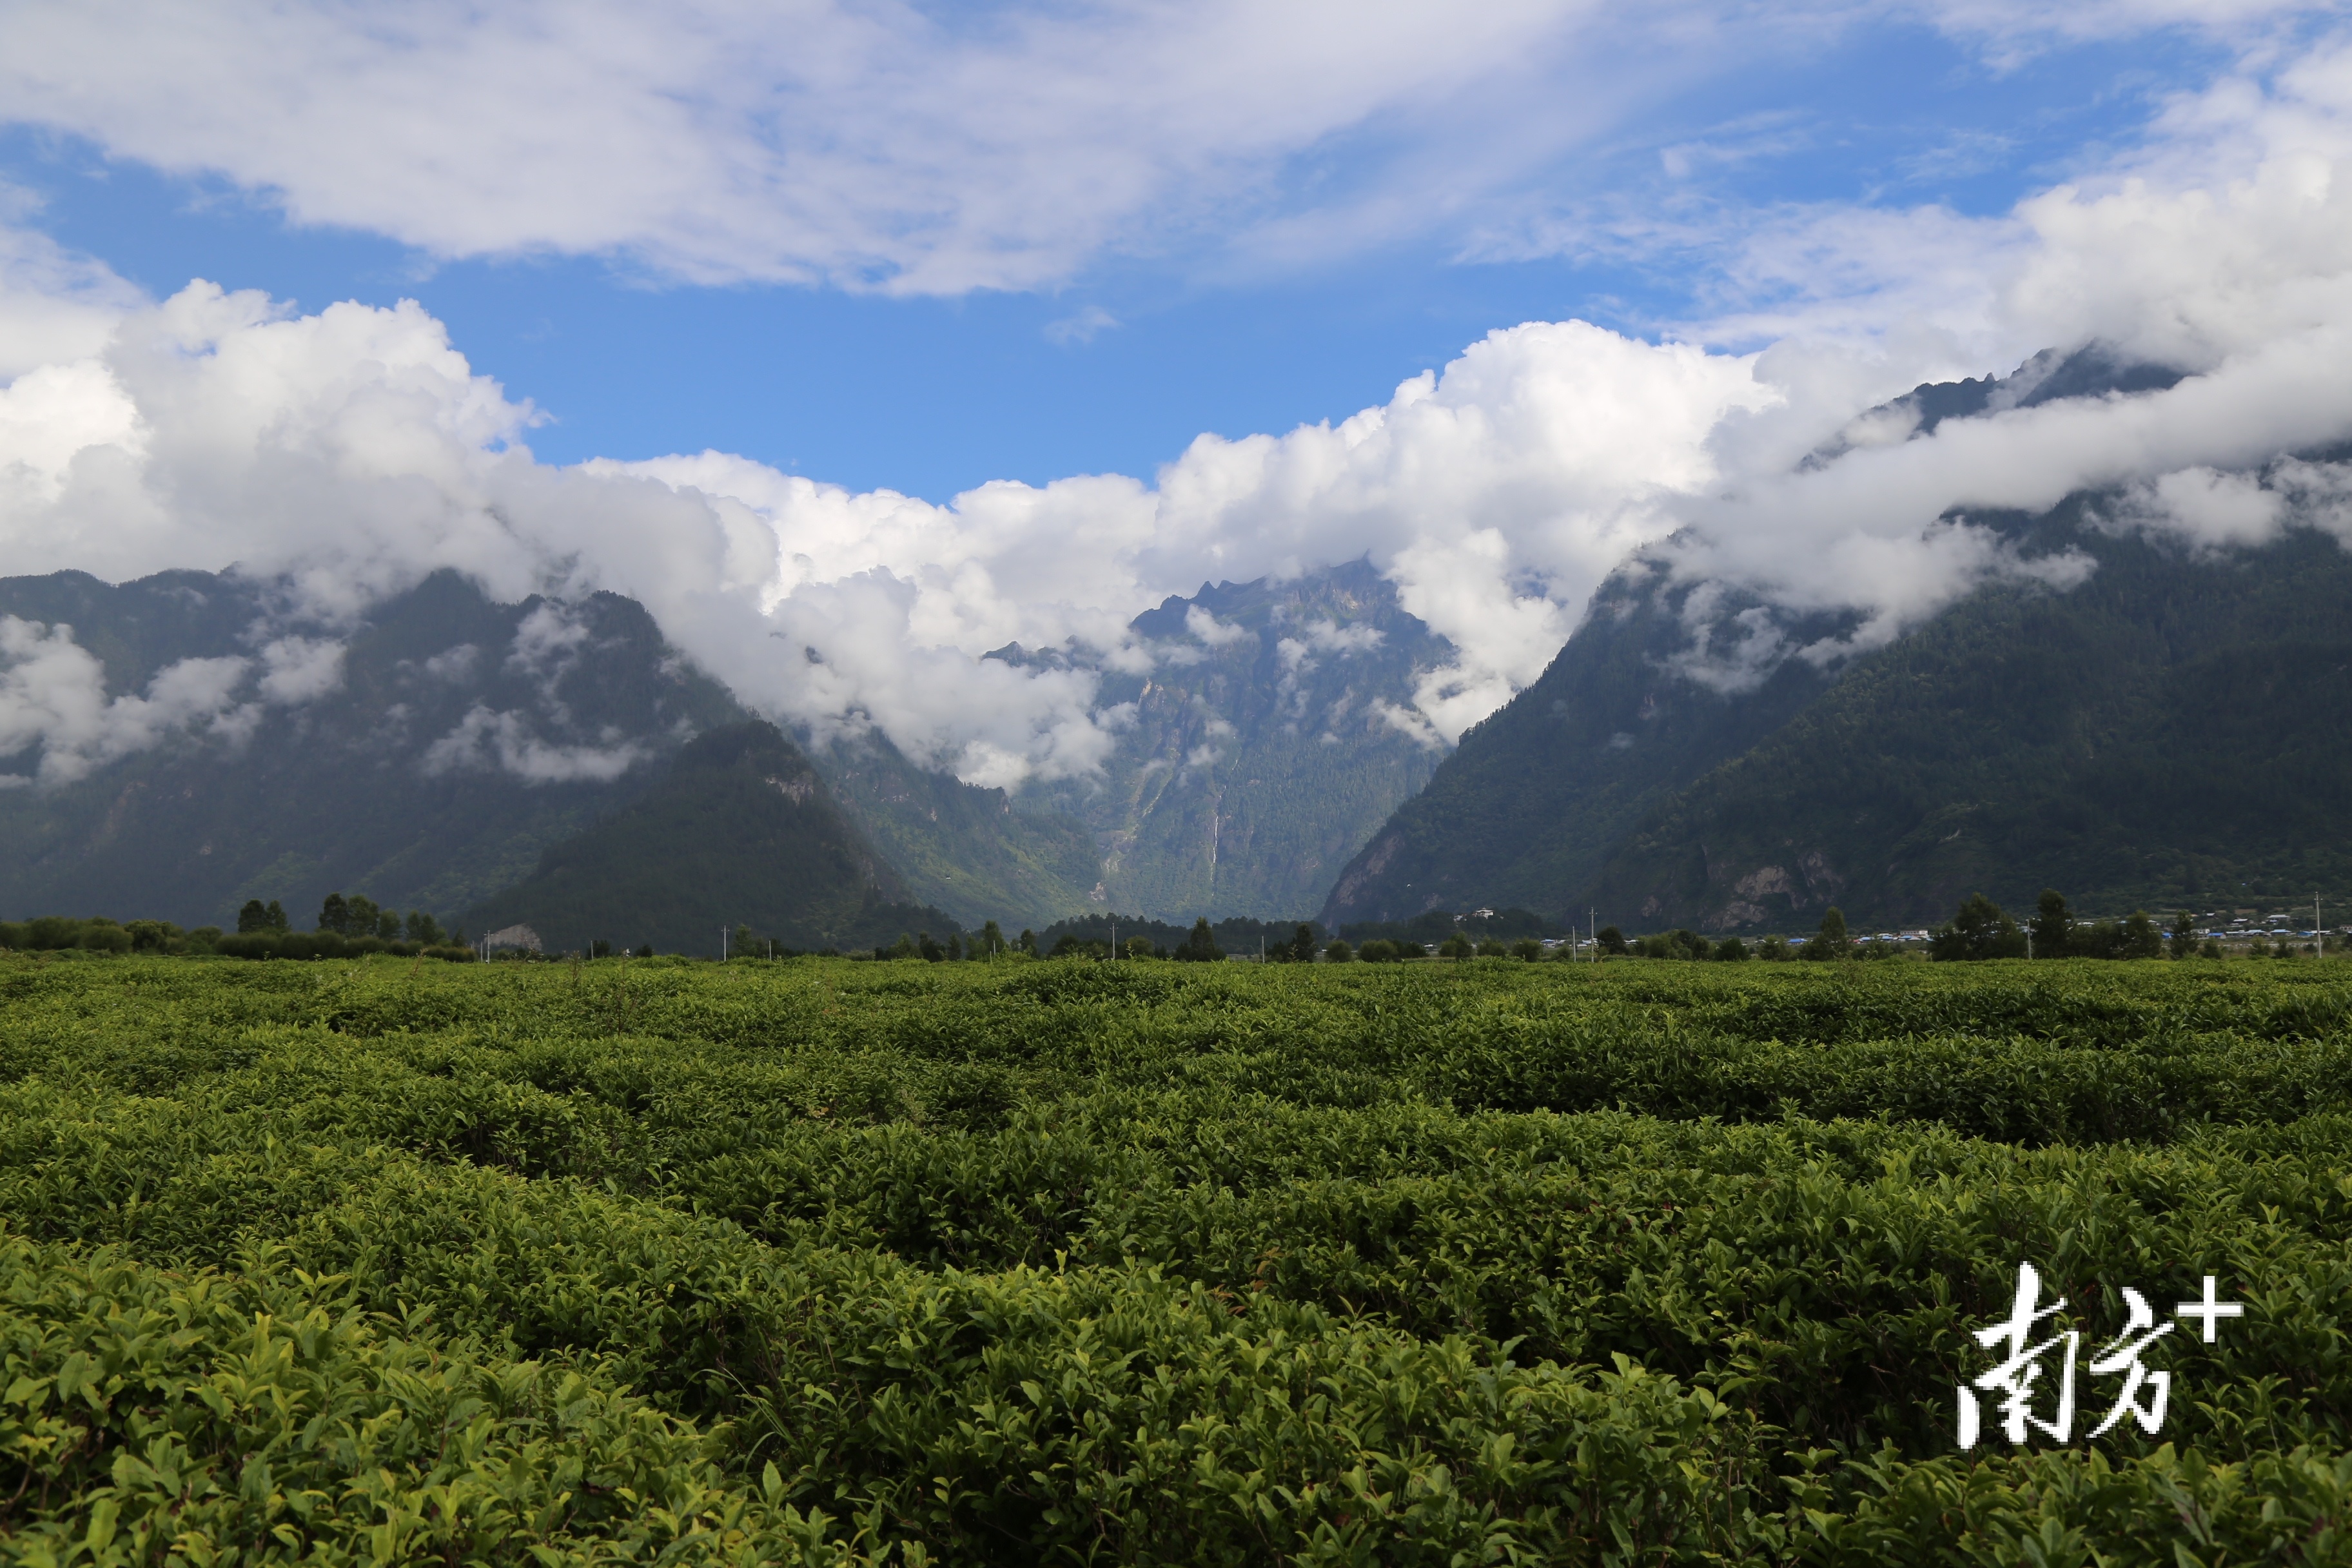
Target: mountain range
<point>453,755</point>
<point>1273,733</point>
<point>2170,729</point>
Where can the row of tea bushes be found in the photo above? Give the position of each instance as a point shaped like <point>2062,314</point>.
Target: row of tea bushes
<point>1784,1265</point>
<point>1020,1269</point>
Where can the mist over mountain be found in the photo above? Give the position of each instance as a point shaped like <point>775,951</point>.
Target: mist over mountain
<point>2132,698</point>
<point>2174,732</point>
<point>191,741</point>
<point>2141,709</point>
<point>1270,732</point>
<point>1260,732</point>
<point>1534,801</point>
<point>738,830</point>
<point>970,851</point>
<point>183,742</point>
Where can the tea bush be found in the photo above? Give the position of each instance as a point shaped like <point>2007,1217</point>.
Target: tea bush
<point>1479,1262</point>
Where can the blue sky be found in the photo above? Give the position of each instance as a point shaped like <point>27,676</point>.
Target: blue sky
<point>934,394</point>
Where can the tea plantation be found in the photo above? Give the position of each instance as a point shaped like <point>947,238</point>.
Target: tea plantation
<point>389,1261</point>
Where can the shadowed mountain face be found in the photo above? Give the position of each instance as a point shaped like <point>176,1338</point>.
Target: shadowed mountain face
<point>2174,730</point>
<point>972,851</point>
<point>427,755</point>
<point>1272,735</point>
<point>739,831</point>
<point>1538,797</point>
<point>213,751</point>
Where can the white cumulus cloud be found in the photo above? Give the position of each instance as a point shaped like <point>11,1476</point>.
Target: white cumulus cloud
<point>53,696</point>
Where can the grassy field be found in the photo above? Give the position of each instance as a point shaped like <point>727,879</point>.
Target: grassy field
<point>1041,1262</point>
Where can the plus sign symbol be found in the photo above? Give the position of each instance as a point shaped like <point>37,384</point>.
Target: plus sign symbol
<point>2209,1311</point>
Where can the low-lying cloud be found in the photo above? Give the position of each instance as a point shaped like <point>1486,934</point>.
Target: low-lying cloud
<point>54,700</point>
<point>354,450</point>
<point>488,740</point>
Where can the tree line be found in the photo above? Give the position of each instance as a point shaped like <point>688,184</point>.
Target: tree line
<point>345,927</point>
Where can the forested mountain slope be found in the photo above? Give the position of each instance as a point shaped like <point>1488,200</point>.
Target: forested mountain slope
<point>1536,797</point>
<point>739,831</point>
<point>2173,730</point>
<point>203,748</point>
<point>972,851</point>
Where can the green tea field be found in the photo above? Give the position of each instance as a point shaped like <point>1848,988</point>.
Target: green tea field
<point>1043,1262</point>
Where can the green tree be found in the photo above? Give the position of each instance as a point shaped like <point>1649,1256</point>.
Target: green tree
<point>254,917</point>
<point>1731,950</point>
<point>334,914</point>
<point>359,915</point>
<point>2184,935</point>
<point>102,935</point>
<point>425,930</point>
<point>1979,931</point>
<point>990,941</point>
<point>1526,949</point>
<point>1339,951</point>
<point>152,936</point>
<point>1831,940</point>
<point>1457,947</point>
<point>1302,945</point>
<point>2052,927</point>
<point>1201,946</point>
<point>1612,941</point>
<point>2140,937</point>
<point>1029,942</point>
<point>1140,947</point>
